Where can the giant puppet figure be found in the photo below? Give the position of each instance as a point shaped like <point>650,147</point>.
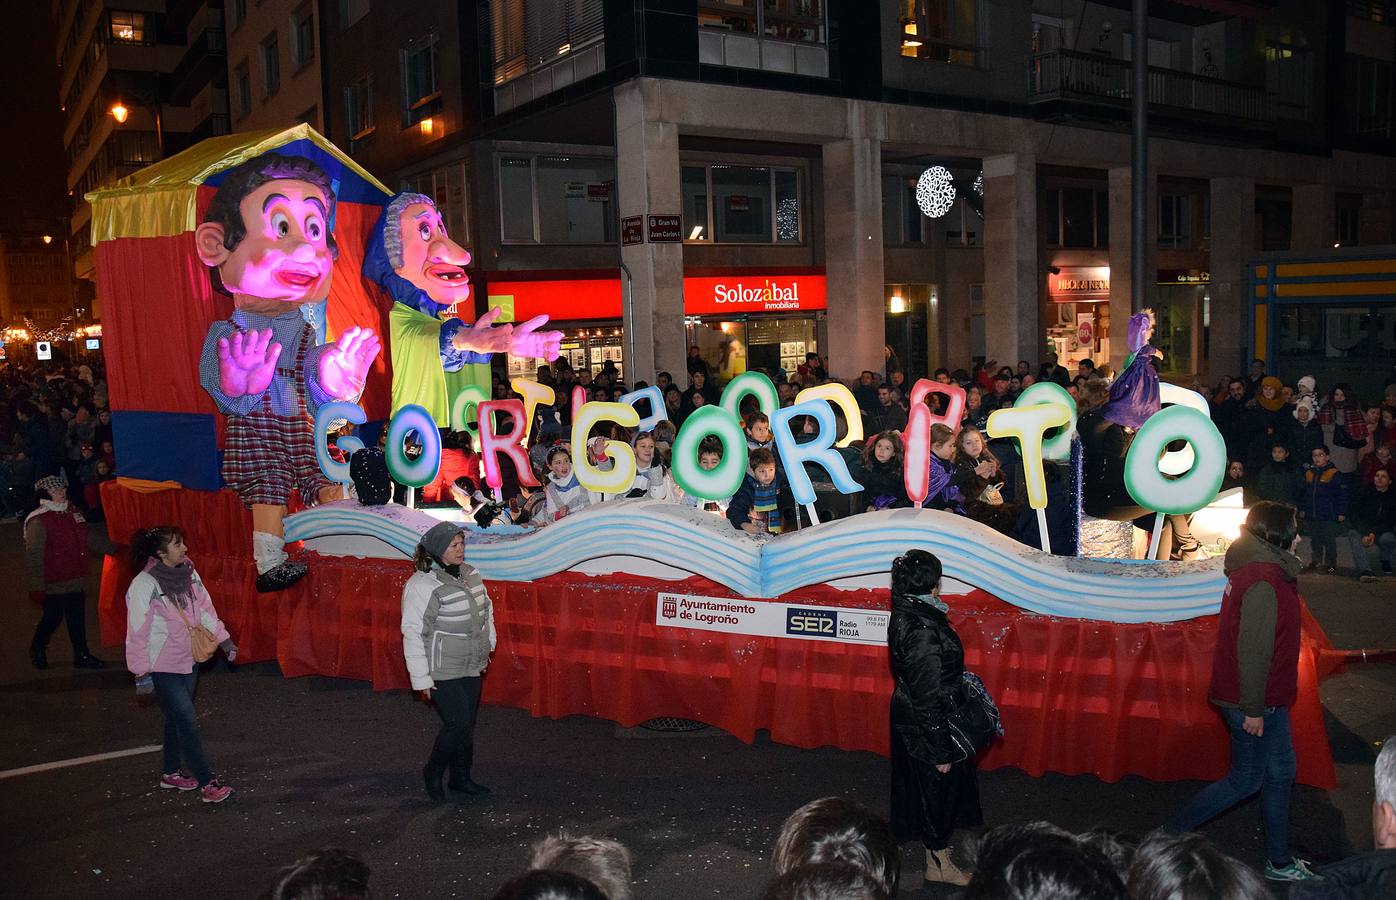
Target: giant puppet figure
<point>267,235</point>
<point>411,256</point>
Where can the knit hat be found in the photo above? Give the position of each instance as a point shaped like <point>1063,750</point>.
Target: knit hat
<point>49,483</point>
<point>439,537</point>
<point>1307,384</point>
<point>1307,402</point>
<point>1275,403</point>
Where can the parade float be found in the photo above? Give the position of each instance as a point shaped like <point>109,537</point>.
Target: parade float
<point>630,609</point>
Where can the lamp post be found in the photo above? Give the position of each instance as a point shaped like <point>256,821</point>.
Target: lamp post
<point>149,99</point>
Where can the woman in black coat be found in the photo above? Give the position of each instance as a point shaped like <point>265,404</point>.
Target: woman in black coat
<point>933,792</point>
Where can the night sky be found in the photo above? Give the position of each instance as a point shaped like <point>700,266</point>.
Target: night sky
<point>32,166</point>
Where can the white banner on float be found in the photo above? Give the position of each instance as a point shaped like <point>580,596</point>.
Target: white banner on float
<point>769,619</point>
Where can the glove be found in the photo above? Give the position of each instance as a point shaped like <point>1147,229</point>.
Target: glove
<point>145,685</point>
<point>37,597</point>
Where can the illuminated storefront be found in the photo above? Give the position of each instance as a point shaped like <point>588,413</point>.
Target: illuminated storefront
<point>1078,323</point>
<point>586,310</point>
<point>755,320</point>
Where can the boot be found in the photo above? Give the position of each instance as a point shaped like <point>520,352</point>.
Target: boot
<point>82,659</point>
<point>466,785</point>
<point>431,775</point>
<point>281,577</point>
<point>38,656</point>
<point>940,868</point>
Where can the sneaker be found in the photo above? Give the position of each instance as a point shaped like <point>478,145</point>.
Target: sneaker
<point>215,792</point>
<point>1366,578</point>
<point>1297,870</point>
<point>177,782</point>
<point>281,577</point>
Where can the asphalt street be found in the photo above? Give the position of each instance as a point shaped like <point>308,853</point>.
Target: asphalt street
<point>318,761</point>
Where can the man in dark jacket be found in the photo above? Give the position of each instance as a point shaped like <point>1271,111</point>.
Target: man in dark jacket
<point>1367,876</point>
<point>1051,371</point>
<point>1372,520</point>
<point>1277,480</point>
<point>1230,418</point>
<point>1324,507</point>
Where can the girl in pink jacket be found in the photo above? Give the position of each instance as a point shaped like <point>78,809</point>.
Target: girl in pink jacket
<point>165,602</point>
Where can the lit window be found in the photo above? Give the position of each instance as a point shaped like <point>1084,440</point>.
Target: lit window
<point>128,27</point>
<point>420,91</point>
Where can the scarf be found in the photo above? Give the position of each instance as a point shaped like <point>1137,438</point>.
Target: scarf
<point>51,506</point>
<point>764,499</point>
<point>566,485</point>
<point>176,582</point>
<point>931,600</point>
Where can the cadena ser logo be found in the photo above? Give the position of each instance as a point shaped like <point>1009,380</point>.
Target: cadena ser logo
<point>812,622</point>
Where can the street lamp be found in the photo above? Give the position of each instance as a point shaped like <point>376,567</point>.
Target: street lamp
<point>120,113</point>
<point>149,99</point>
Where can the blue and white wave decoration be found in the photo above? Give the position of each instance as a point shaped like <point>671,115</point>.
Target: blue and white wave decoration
<point>704,544</point>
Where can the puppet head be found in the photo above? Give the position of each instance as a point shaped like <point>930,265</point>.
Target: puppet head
<point>267,233</point>
<point>412,258</point>
<point>1141,329</point>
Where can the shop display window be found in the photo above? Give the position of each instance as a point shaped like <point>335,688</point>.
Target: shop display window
<point>584,347</point>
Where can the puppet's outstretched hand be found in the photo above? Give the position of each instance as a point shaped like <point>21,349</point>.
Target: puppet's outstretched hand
<point>482,338</point>
<point>247,362</point>
<point>344,364</point>
<point>533,344</point>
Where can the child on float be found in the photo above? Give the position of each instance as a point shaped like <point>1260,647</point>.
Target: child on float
<point>563,493</point>
<point>709,457</point>
<point>757,426</point>
<point>755,508</point>
<point>943,493</point>
<point>652,478</point>
<point>880,472</point>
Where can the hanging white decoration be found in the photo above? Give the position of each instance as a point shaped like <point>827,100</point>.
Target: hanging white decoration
<point>788,220</point>
<point>935,191</point>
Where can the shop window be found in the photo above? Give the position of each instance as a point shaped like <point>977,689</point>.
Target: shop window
<point>557,199</point>
<point>271,65</point>
<point>127,27</point>
<point>800,21</point>
<point>302,35</point>
<point>358,110</point>
<point>421,92</point>
<point>941,30</point>
<point>734,204</point>
<point>447,186</point>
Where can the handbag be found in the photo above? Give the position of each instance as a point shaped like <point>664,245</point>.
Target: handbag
<point>202,643</point>
<point>974,724</point>
<point>1344,439</point>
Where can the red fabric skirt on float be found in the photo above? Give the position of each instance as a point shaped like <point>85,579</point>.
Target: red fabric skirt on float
<point>1077,696</point>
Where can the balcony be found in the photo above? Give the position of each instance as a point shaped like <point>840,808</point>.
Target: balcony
<point>1069,84</point>
<point>204,61</point>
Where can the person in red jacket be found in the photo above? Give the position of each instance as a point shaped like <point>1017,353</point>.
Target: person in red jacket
<point>55,551</point>
<point>1255,677</point>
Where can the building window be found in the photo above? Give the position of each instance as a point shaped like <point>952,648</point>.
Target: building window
<point>237,12</point>
<point>421,95</point>
<point>902,221</point>
<point>801,21</point>
<point>447,186</point>
<point>271,65</point>
<point>557,199</point>
<point>1348,220</point>
<point>735,204</point>
<point>1368,89</point>
<point>136,148</point>
<point>941,30</point>
<point>351,11</point>
<point>528,34</point>
<point>1175,220</point>
<point>302,35</point>
<point>127,27</point>
<point>358,109</point>
<point>242,88</point>
<point>1077,218</point>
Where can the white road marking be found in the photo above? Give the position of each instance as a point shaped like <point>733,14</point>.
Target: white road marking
<point>79,761</point>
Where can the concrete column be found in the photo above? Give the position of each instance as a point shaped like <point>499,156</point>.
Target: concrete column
<point>1121,266</point>
<point>1313,217</point>
<point>853,255</point>
<point>1011,270</point>
<point>647,179</point>
<point>1233,247</point>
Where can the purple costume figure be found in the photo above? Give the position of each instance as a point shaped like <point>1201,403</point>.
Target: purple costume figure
<point>1134,395</point>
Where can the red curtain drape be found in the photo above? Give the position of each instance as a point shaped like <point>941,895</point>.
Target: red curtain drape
<point>1077,696</point>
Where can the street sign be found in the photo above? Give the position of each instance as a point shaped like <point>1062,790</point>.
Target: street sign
<point>632,230</point>
<point>44,350</point>
<point>666,229</point>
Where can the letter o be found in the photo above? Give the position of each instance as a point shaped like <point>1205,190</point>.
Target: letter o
<point>414,474</point>
<point>1191,491</point>
<point>722,482</point>
<point>338,409</point>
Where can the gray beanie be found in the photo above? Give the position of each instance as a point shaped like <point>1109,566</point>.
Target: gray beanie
<point>439,537</point>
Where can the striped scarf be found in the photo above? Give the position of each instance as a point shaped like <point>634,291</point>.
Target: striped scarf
<point>765,500</point>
